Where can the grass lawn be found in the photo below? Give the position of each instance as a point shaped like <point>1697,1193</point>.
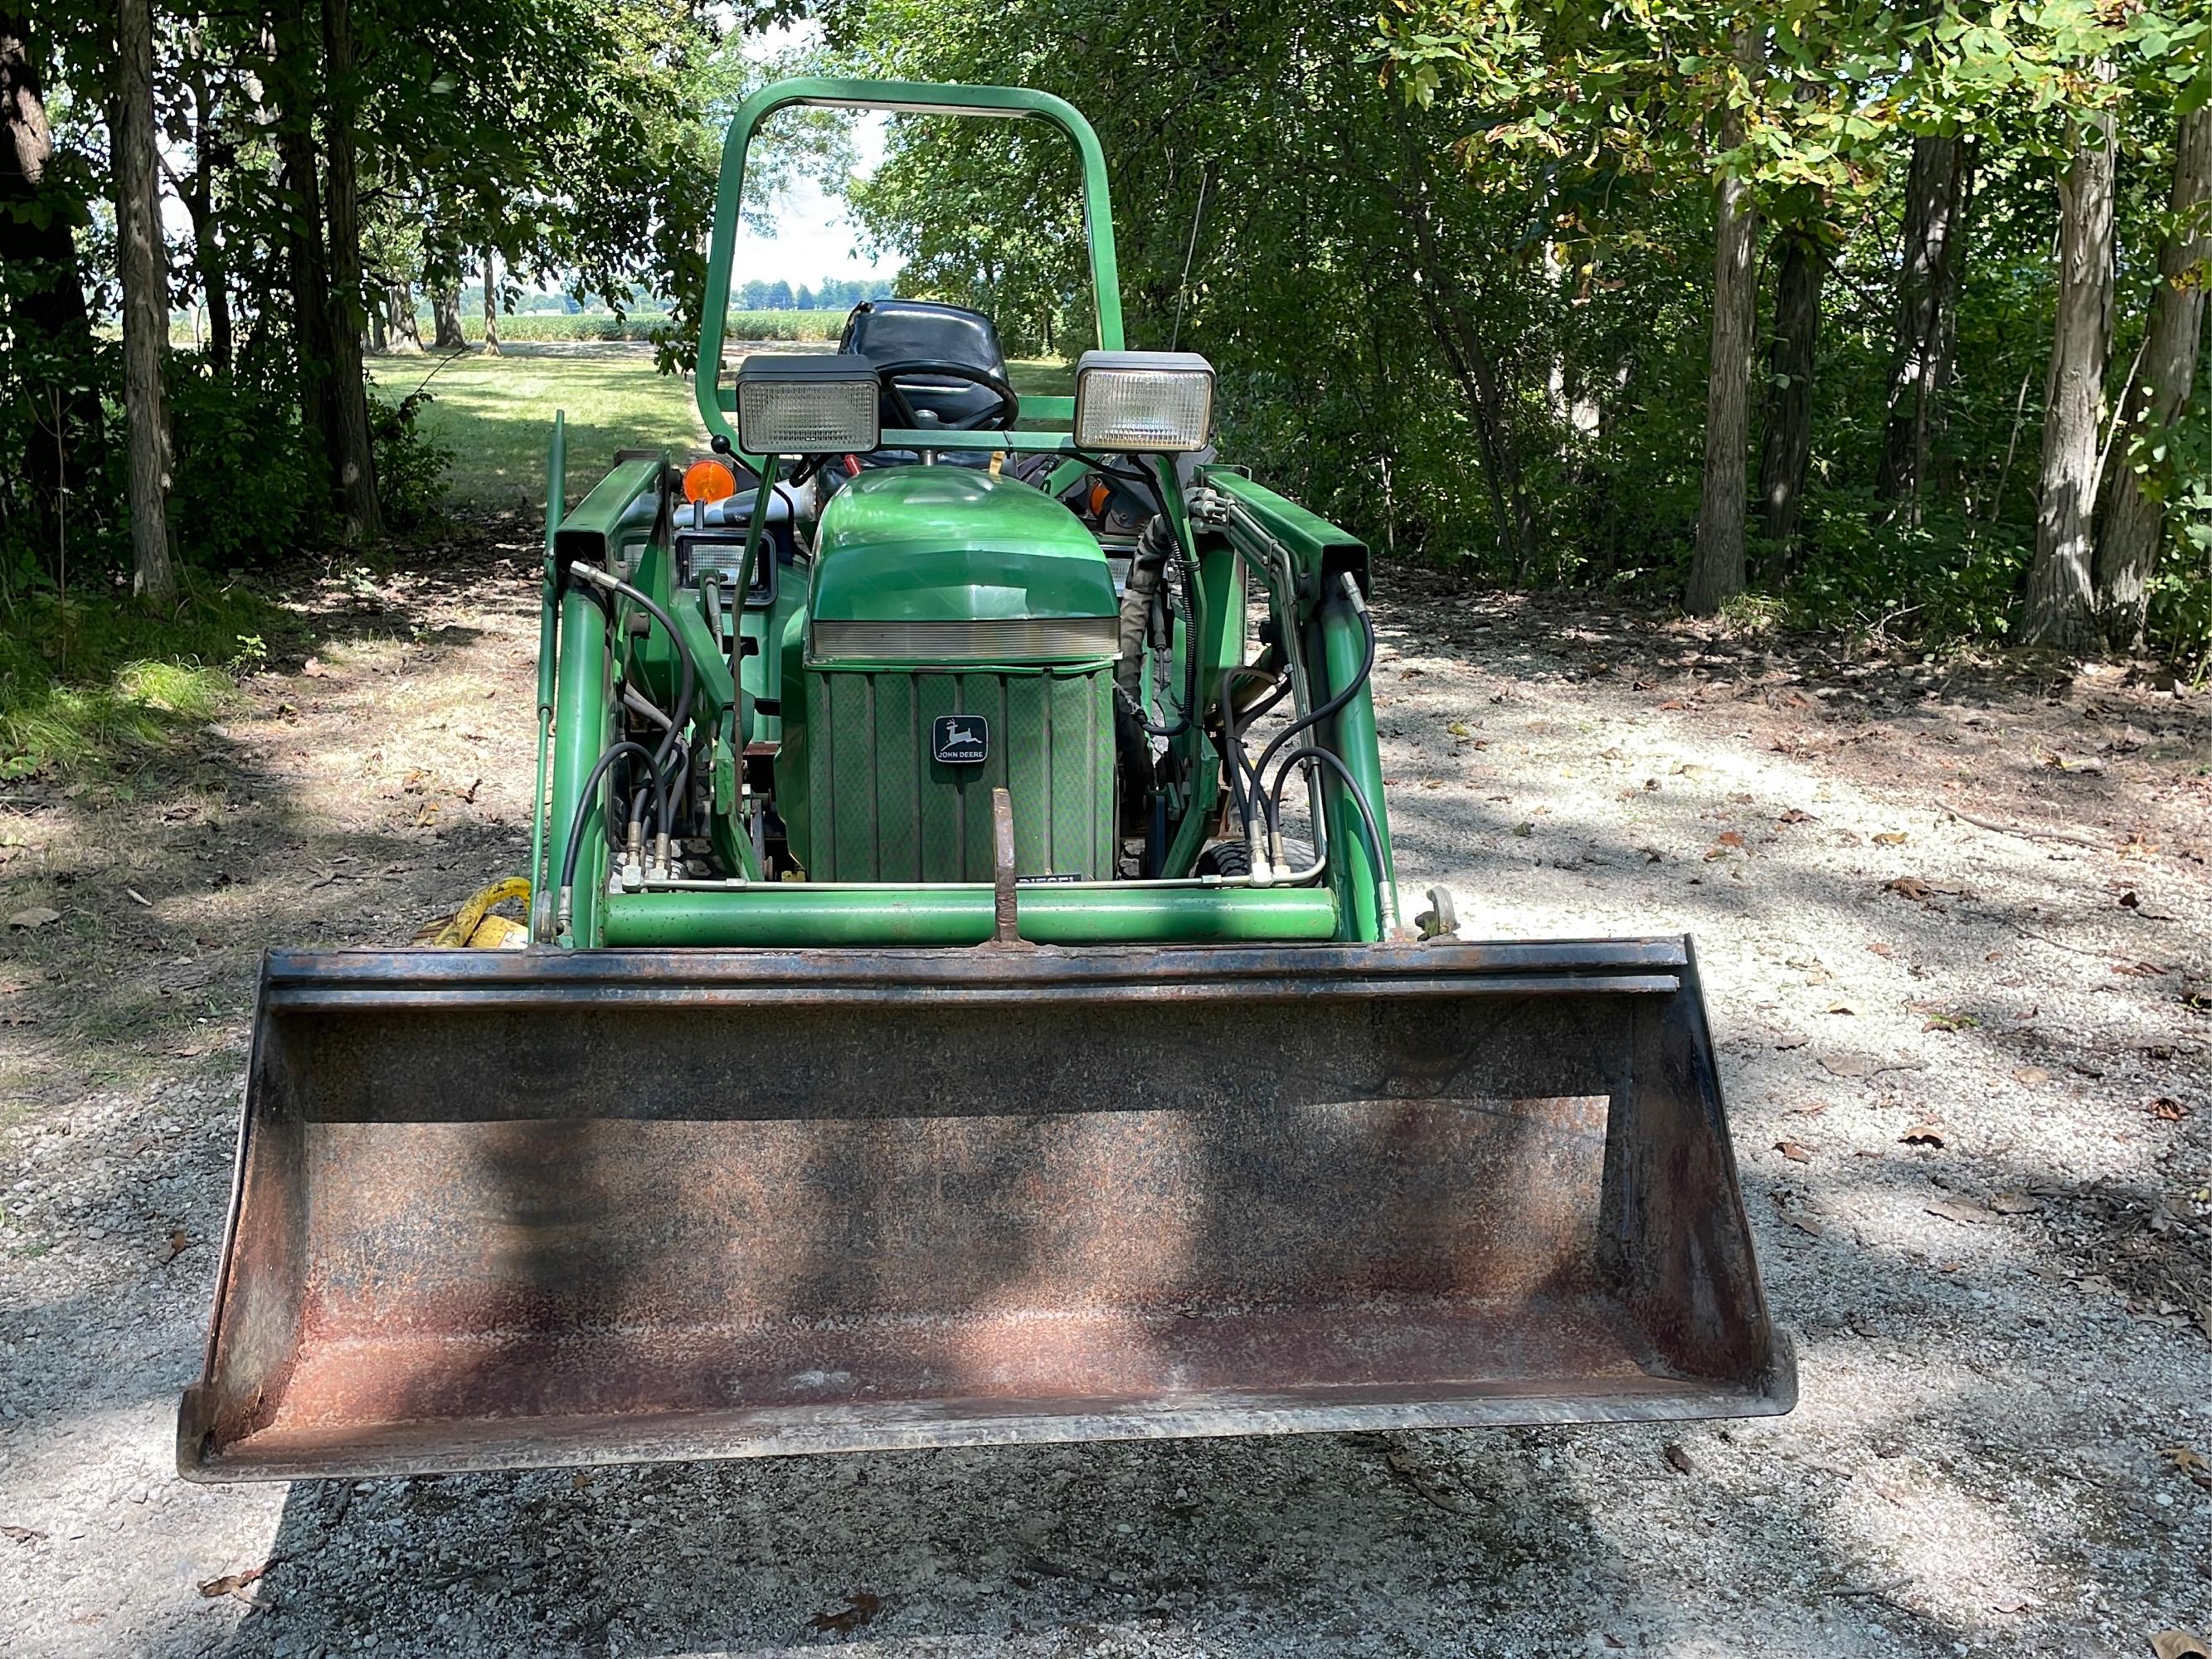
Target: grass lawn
<point>496,413</point>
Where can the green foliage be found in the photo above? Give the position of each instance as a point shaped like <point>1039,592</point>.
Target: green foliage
<point>96,684</point>
<point>244,491</point>
<point>410,464</point>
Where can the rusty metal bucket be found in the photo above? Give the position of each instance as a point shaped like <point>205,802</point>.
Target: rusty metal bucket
<point>514,1209</point>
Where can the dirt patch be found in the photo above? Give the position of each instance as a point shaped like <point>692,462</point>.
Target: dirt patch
<point>1966,1066</point>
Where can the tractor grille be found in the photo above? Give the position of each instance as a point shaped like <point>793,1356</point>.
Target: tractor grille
<point>1013,640</point>
<point>883,809</point>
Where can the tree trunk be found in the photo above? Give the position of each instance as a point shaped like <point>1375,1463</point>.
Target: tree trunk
<point>42,300</point>
<point>142,266</point>
<point>294,72</point>
<point>198,198</point>
<point>403,335</point>
<point>353,448</point>
<point>1717,570</point>
<point>1788,446</point>
<point>1927,295</point>
<point>446,333</point>
<point>491,305</point>
<point>1467,352</point>
<point>2134,526</point>
<point>2060,609</point>
<point>378,344</point>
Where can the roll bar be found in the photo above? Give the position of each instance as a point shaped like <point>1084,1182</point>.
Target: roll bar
<point>913,98</point>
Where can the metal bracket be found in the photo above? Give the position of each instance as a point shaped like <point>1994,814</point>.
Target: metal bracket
<point>1439,921</point>
<point>1005,930</point>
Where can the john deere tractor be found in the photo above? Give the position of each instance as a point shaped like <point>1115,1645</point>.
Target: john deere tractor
<point>966,996</point>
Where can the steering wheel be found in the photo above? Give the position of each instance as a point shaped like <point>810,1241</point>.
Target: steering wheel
<point>1001,414</point>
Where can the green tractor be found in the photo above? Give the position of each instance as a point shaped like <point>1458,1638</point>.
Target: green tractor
<point>965,998</point>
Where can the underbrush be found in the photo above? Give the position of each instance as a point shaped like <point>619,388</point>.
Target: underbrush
<point>99,683</point>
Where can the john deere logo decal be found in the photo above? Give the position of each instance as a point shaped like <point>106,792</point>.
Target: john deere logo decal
<point>960,739</point>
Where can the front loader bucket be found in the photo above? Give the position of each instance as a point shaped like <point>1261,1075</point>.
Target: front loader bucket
<point>512,1209</point>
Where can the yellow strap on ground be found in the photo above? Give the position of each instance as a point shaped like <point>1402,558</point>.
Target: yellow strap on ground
<point>469,928</point>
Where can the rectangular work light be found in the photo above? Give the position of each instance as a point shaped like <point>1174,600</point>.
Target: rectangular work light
<point>1150,402</point>
<point>791,403</point>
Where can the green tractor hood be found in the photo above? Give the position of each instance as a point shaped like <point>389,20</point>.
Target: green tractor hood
<point>950,544</point>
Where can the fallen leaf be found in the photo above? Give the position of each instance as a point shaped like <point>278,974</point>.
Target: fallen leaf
<point>1793,1151</point>
<point>1524,830</point>
<point>1964,1211</point>
<point>179,1242</point>
<point>1881,949</point>
<point>312,668</point>
<point>1731,838</point>
<point>2015,1203</point>
<point>2138,970</point>
<point>1910,887</point>
<point>1890,838</point>
<point>1805,1224</point>
<point>859,1609</point>
<point>37,916</point>
<point>2129,901</point>
<point>1847,1064</point>
<point>2178,1644</point>
<point>137,897</point>
<point>2167,1110</point>
<point>1458,729</point>
<point>1678,1460</point>
<point>231,1582</point>
<point>1810,1108</point>
<point>1792,1042</point>
<point>1672,703</point>
<point>2030,1074</point>
<point>2188,1460</point>
<point>21,1535</point>
<point>1922,1134</point>
<point>1842,1008</point>
<point>1793,816</point>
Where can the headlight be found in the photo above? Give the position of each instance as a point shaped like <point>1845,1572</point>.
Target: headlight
<point>808,405</point>
<point>1147,402</point>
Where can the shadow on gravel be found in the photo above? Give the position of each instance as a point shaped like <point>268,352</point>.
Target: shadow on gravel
<point>1266,1546</point>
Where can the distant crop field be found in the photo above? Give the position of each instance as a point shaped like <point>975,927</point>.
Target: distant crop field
<point>553,326</point>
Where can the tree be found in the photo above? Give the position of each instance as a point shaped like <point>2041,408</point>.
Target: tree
<point>1935,193</point>
<point>2134,518</point>
<point>1717,572</point>
<point>404,336</point>
<point>446,319</point>
<point>1787,449</point>
<point>42,302</point>
<point>144,268</point>
<point>490,301</point>
<point>2061,609</point>
<point>353,452</point>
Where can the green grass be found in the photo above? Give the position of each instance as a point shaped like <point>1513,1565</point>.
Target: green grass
<point>105,684</point>
<point>496,414</point>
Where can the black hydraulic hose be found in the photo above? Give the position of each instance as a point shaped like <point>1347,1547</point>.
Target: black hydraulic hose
<point>675,786</point>
<point>584,797</point>
<point>1384,908</point>
<point>599,578</point>
<point>1191,599</point>
<point>1314,717</point>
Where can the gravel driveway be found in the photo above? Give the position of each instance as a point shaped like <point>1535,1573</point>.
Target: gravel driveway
<point>1966,1065</point>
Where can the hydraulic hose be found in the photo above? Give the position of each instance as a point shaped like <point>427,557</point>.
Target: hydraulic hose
<point>584,797</point>
<point>1386,902</point>
<point>1314,717</point>
<point>1192,602</point>
<point>686,682</point>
